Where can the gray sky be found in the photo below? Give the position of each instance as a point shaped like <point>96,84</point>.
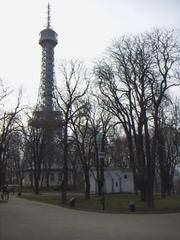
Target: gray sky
<point>85,29</point>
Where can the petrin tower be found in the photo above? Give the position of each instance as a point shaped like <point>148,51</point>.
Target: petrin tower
<point>48,41</point>
<point>45,117</point>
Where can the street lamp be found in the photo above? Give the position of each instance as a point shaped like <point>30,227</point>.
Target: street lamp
<point>101,142</point>
<point>101,156</point>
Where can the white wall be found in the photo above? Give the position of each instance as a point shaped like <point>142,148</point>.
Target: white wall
<point>115,181</point>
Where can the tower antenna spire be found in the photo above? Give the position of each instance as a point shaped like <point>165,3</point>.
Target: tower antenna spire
<point>48,16</point>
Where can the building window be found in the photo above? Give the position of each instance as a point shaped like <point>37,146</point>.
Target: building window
<point>125,176</point>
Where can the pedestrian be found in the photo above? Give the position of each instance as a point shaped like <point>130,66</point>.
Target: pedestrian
<point>2,196</point>
<point>7,192</point>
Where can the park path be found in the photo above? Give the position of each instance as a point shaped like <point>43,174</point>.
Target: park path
<point>27,220</point>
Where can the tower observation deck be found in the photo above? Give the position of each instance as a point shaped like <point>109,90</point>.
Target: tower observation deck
<point>45,114</point>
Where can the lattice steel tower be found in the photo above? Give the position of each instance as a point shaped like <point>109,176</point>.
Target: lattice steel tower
<point>45,117</point>
<point>48,40</point>
<point>45,114</point>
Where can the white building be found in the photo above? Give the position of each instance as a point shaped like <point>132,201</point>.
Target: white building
<point>177,181</point>
<point>115,181</point>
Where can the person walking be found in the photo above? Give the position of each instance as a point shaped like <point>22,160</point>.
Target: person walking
<point>5,193</point>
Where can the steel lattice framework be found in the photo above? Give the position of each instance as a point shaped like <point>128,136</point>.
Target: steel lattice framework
<point>45,115</point>
<point>48,40</point>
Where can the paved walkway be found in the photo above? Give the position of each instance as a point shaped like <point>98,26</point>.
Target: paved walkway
<point>26,220</point>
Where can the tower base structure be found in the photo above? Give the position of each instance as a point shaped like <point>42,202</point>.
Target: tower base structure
<point>46,120</point>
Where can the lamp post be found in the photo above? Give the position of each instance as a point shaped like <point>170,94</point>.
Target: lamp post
<point>101,156</point>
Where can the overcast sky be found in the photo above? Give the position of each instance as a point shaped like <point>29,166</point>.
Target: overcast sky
<point>85,28</point>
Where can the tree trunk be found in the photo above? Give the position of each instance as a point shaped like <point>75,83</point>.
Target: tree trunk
<point>36,185</point>
<point>65,169</point>
<point>87,186</point>
<point>150,169</point>
<point>163,184</point>
<point>47,176</point>
<point>132,162</point>
<point>2,175</point>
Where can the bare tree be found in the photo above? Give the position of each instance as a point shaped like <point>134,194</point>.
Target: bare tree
<point>134,81</point>
<point>168,146</point>
<point>80,126</point>
<point>17,161</point>
<point>8,124</point>
<point>33,149</point>
<point>33,141</point>
<point>74,87</point>
<point>101,124</point>
<point>119,150</point>
<point>164,46</point>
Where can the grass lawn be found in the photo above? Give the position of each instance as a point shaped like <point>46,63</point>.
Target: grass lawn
<point>113,202</point>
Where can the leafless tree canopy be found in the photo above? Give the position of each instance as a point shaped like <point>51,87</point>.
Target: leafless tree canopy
<point>134,80</point>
